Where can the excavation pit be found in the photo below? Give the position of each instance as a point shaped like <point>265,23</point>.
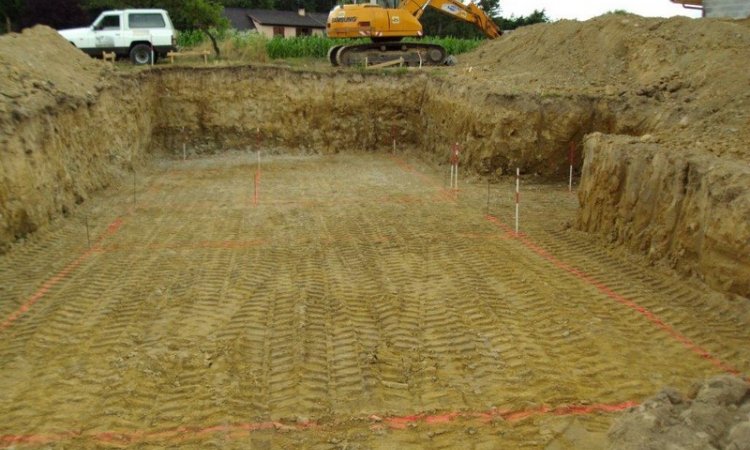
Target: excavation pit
<point>160,288</point>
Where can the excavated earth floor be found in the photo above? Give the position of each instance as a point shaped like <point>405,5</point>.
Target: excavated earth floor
<point>350,301</point>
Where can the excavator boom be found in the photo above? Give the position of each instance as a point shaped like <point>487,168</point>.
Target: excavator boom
<point>468,13</point>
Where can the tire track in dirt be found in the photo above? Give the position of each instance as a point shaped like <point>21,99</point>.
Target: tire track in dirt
<point>57,278</point>
<point>653,294</point>
<point>350,321</point>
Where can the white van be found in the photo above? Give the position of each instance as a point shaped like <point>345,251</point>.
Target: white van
<point>134,33</point>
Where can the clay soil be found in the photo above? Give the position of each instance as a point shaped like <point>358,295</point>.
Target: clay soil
<point>359,304</point>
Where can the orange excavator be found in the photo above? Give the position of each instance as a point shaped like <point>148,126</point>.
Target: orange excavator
<point>386,27</point>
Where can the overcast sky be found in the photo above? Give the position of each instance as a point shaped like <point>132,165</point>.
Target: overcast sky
<point>582,9</point>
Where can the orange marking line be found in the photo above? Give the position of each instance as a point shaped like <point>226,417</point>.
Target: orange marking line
<point>59,276</point>
<point>185,433</point>
<point>619,298</point>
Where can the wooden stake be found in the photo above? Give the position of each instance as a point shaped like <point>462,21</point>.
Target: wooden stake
<point>88,237</point>
<point>488,196</point>
<point>134,187</point>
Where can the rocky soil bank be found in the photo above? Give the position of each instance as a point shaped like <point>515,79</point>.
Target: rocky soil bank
<point>714,415</point>
<point>68,127</point>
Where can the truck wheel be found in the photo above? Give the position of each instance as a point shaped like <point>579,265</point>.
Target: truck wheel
<point>140,54</point>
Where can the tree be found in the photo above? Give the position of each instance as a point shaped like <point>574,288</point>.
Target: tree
<point>491,7</point>
<point>10,13</point>
<point>58,14</point>
<point>203,15</point>
<point>515,22</point>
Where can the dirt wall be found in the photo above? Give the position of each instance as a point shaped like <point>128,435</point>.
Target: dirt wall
<point>219,109</point>
<point>216,109</point>
<point>54,161</point>
<point>689,209</point>
<point>68,127</point>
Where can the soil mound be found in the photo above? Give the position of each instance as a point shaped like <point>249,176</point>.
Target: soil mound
<point>39,70</point>
<point>715,414</point>
<point>696,71</point>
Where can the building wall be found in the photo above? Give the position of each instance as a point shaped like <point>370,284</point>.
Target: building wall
<point>736,9</point>
<point>267,30</point>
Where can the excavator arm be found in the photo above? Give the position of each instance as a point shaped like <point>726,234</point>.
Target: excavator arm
<point>468,13</point>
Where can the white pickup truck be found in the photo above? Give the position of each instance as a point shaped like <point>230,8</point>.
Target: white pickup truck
<point>136,33</point>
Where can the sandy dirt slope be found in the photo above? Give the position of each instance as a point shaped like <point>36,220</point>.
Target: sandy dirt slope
<point>688,77</point>
<point>40,71</point>
<point>358,303</point>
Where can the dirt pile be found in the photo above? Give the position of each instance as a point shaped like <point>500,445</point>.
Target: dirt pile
<point>680,87</point>
<point>693,74</point>
<point>715,414</point>
<point>40,70</point>
<point>67,127</point>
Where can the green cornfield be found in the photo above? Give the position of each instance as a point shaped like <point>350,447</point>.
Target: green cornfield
<point>307,46</point>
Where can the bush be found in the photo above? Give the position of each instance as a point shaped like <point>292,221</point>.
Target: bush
<point>190,38</point>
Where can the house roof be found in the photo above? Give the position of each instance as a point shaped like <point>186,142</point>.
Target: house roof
<point>239,19</point>
<point>242,19</point>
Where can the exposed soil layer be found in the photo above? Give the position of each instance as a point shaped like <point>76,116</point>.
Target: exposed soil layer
<point>359,304</point>
<point>713,414</point>
<point>679,193</point>
<point>68,128</point>
<point>689,208</point>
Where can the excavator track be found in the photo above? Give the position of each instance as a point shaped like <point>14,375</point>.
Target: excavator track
<point>414,54</point>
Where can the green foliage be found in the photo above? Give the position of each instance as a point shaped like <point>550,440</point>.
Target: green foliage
<point>305,46</point>
<point>185,14</point>
<point>317,46</point>
<point>190,38</point>
<point>515,22</point>
<point>454,46</point>
<point>491,7</point>
<point>619,12</point>
<point>10,14</point>
<point>196,14</point>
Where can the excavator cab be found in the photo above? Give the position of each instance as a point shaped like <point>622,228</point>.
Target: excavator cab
<point>386,26</point>
<point>374,20</point>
